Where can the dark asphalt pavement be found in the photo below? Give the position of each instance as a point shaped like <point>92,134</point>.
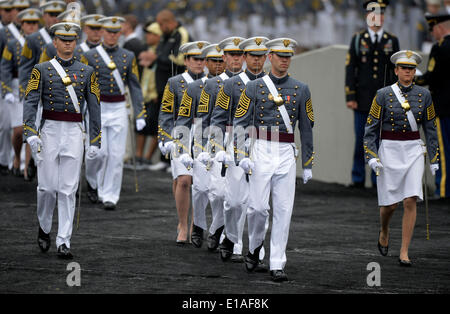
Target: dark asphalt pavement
<point>333,237</point>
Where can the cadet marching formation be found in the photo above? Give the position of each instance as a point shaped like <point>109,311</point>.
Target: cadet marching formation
<point>229,132</point>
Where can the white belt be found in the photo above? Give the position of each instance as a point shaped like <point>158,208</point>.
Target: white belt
<point>45,35</point>
<point>13,29</point>
<point>402,100</point>
<point>282,108</point>
<point>70,89</point>
<point>187,77</point>
<point>115,72</point>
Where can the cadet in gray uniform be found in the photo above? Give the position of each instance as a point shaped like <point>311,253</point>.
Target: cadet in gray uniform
<point>92,28</point>
<point>8,16</point>
<point>186,116</point>
<point>66,88</point>
<point>35,43</point>
<point>236,188</point>
<point>10,85</point>
<point>171,103</point>
<point>116,68</point>
<point>234,59</point>
<point>271,106</point>
<point>396,113</point>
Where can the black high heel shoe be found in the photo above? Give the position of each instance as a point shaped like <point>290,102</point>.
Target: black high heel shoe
<point>383,249</point>
<point>404,263</point>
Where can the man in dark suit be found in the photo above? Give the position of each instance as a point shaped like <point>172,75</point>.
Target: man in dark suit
<point>368,68</point>
<point>438,79</point>
<point>132,41</point>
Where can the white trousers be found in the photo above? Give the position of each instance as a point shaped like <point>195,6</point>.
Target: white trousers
<point>6,149</point>
<point>274,173</point>
<point>216,195</point>
<point>105,172</point>
<point>235,207</point>
<point>59,166</point>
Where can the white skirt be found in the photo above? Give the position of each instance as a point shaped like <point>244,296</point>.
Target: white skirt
<point>178,169</point>
<point>401,175</point>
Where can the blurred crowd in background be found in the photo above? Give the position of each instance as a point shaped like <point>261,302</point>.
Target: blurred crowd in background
<point>313,23</point>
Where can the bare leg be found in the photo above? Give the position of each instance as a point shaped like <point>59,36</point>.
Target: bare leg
<point>140,144</point>
<point>386,213</point>
<point>182,199</point>
<point>152,147</point>
<point>17,145</point>
<point>408,223</point>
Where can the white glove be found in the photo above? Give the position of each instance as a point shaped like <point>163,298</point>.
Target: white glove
<point>434,168</point>
<point>186,160</point>
<point>34,142</point>
<point>246,164</point>
<point>307,175</point>
<point>93,151</point>
<point>228,159</point>
<point>168,146</point>
<point>204,158</point>
<point>375,164</point>
<point>165,148</point>
<point>140,124</point>
<point>220,156</point>
<point>9,98</point>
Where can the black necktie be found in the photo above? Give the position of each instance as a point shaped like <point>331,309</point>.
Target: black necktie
<point>376,40</point>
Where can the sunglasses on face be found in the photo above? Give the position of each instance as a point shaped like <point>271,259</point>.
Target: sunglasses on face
<point>53,14</point>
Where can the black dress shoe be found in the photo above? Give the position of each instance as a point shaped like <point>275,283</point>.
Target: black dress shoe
<point>43,240</point>
<point>251,261</point>
<point>261,267</point>
<point>4,171</point>
<point>278,275</point>
<point>64,252</point>
<point>383,249</point>
<point>92,194</point>
<point>226,249</point>
<point>197,236</point>
<point>357,185</point>
<point>31,170</point>
<point>237,258</point>
<point>213,239</point>
<point>109,206</point>
<point>16,172</point>
<point>404,263</point>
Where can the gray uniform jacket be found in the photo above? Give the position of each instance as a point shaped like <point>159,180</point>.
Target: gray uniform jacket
<point>228,99</point>
<point>9,65</point>
<point>5,36</point>
<point>208,101</point>
<point>188,109</point>
<point>170,105</point>
<point>45,84</point>
<point>31,53</point>
<point>127,66</point>
<point>387,113</point>
<point>256,109</point>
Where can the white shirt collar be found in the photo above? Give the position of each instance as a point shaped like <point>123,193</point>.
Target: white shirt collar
<point>131,36</point>
<point>372,34</point>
